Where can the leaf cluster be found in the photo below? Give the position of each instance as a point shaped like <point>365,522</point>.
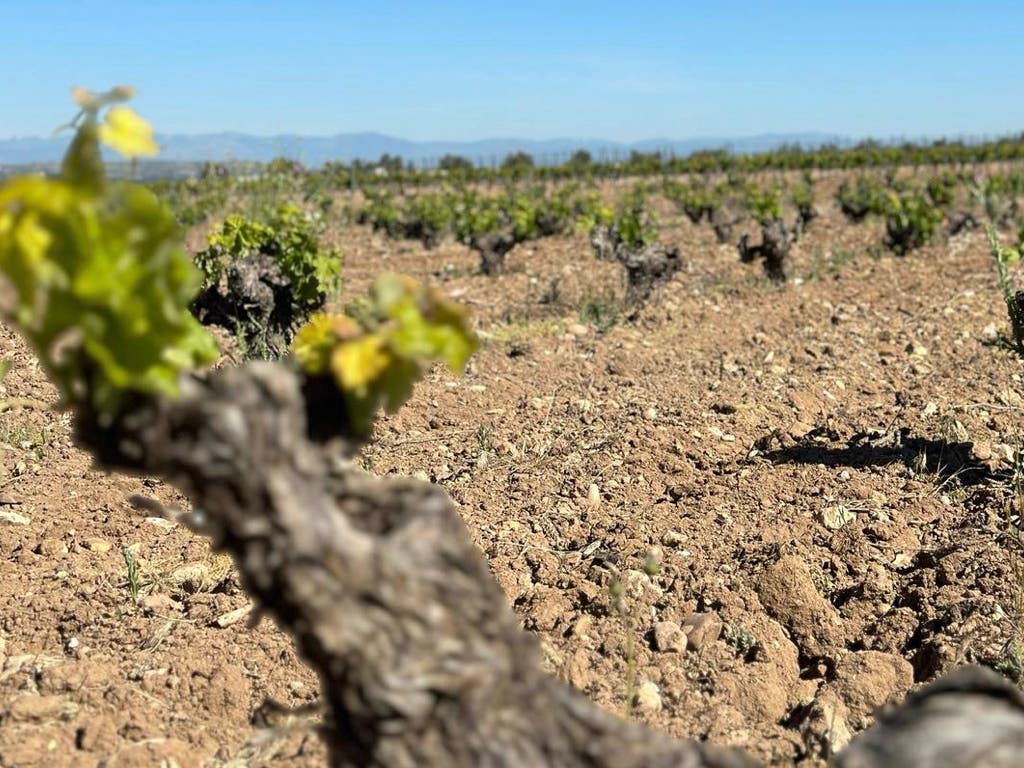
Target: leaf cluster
<point>290,238</point>
<point>910,220</point>
<point>864,196</point>
<point>95,274</point>
<point>376,352</point>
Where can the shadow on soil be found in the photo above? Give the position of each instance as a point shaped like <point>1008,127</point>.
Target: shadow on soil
<point>949,461</point>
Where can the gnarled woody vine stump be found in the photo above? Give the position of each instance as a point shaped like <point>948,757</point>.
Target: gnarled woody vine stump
<point>420,660</point>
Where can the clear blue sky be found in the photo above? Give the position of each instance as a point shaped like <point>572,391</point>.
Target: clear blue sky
<point>462,70</point>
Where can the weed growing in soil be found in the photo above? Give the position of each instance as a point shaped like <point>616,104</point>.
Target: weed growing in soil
<point>1006,259</point>
<point>132,572</point>
<point>617,593</point>
<point>601,312</point>
<point>740,640</point>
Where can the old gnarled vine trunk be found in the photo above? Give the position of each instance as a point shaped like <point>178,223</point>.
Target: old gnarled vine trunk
<point>421,662</point>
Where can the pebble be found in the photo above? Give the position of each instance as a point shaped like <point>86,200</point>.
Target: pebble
<point>835,517</point>
<point>701,630</point>
<point>917,350</point>
<point>7,516</point>
<point>669,637</point>
<point>648,697</point>
<point>97,545</point>
<point>637,584</point>
<point>673,539</point>
<point>160,522</point>
<point>159,604</point>
<point>51,547</point>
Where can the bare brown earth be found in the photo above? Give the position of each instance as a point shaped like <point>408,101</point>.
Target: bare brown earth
<point>819,473</point>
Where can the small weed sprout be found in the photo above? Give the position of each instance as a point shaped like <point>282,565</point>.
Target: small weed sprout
<point>485,436</point>
<point>601,312</point>
<point>617,592</point>
<point>132,569</point>
<point>741,641</point>
<point>1011,664</point>
<point>1006,259</point>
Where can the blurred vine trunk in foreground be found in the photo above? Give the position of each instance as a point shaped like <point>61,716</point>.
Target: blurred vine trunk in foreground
<point>421,661</point>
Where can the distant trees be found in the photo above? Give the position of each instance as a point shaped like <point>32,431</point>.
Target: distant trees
<point>580,161</point>
<point>455,165</point>
<point>517,164</point>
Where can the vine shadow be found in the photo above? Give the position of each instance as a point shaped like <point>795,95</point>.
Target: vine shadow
<point>947,460</point>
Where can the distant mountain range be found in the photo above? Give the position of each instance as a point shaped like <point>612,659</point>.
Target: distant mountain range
<point>314,151</point>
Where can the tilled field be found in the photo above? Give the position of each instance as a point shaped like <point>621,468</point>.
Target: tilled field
<point>817,475</point>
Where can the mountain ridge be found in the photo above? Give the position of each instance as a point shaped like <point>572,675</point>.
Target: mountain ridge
<point>369,145</point>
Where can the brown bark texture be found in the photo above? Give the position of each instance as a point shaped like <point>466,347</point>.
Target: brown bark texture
<point>421,661</point>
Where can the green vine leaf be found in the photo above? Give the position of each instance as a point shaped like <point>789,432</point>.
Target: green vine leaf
<point>376,359</point>
<point>98,280</point>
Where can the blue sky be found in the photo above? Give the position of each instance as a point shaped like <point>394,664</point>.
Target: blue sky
<point>461,70</point>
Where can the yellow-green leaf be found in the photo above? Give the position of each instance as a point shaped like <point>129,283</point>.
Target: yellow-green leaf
<point>128,133</point>
<point>357,363</point>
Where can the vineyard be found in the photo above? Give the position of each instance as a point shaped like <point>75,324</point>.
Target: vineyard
<point>737,436</point>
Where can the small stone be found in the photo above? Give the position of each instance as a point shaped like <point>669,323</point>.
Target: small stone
<point>594,495</point>
<point>50,547</point>
<point>673,539</point>
<point>578,329</point>
<point>97,545</point>
<point>648,697</point>
<point>825,730</point>
<point>669,637</point>
<point>917,350</point>
<point>160,522</point>
<point>7,516</point>
<point>835,517</point>
<point>701,630</point>
<point>159,604</point>
<point>35,708</point>
<point>638,584</point>
<point>232,617</point>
